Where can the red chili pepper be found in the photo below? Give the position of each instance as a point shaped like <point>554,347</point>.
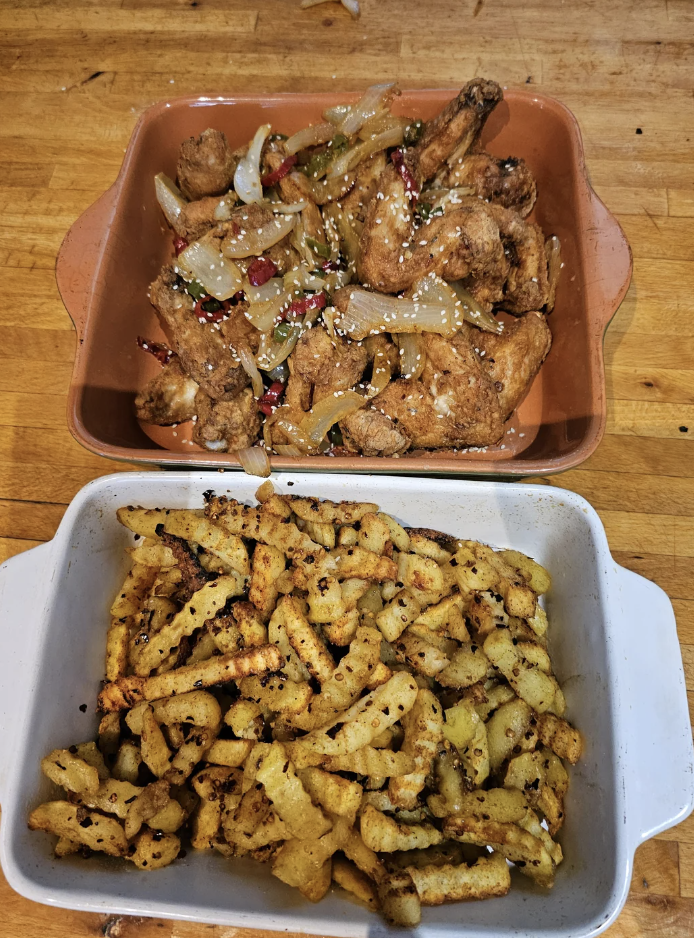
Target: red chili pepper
<point>261,270</point>
<point>162,353</point>
<point>216,315</point>
<point>398,158</point>
<point>301,307</point>
<point>271,178</point>
<point>237,298</point>
<point>180,244</point>
<point>329,265</point>
<point>271,398</point>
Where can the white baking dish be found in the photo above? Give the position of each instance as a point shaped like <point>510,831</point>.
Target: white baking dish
<point>613,642</point>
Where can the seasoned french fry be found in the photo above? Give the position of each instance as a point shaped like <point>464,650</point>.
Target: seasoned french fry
<point>451,787</point>
<point>155,753</point>
<point>468,665</point>
<point>299,861</point>
<point>321,533</point>
<point>291,801</point>
<point>75,823</point>
<point>109,733</point>
<point>427,547</point>
<point>352,674</point>
<point>211,784</point>
<point>325,600</point>
<point>486,878</point>
<point>419,654</point>
<point>342,630</point>
<point>245,718</point>
<point>374,533</point>
<point>154,850</point>
<point>398,534</point>
<point>347,536</point>
<point>347,875</point>
<point>190,753</point>
<point>336,794</point>
<point>69,770</point>
<point>92,756</point>
<point>262,525</point>
<point>370,761</point>
<point>384,835</point>
<point>515,843</point>
<point>423,734</point>
<point>399,900</point>
<point>277,693</point>
<point>537,577</point>
<point>401,611</point>
<point>152,799</point>
<point>229,752</point>
<point>127,764</point>
<point>419,573</point>
<point>315,889</point>
<point>305,642</point>
<point>132,594</point>
<point>507,730</point>
<point>277,635</point>
<point>534,686</point>
<point>251,626</point>
<point>268,565</point>
<point>560,737</point>
<point>326,512</point>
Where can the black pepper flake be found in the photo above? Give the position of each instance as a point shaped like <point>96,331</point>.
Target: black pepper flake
<point>87,822</point>
<point>638,130</point>
<point>684,429</point>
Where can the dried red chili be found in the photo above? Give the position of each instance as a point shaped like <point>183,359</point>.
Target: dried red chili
<point>269,179</point>
<point>398,158</point>
<point>180,244</point>
<point>271,398</point>
<point>300,307</point>
<point>261,270</point>
<point>162,353</point>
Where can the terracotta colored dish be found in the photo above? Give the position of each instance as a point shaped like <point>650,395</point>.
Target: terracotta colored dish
<point>116,248</point>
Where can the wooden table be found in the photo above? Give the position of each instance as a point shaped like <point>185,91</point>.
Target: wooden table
<point>74,76</point>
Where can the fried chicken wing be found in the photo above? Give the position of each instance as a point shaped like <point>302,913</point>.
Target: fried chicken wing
<point>328,364</point>
<point>372,433</point>
<point>197,218</point>
<point>229,425</point>
<point>206,165</point>
<point>201,347</point>
<point>506,181</point>
<point>168,398</point>
<point>513,358</point>
<point>357,201</point>
<point>527,285</point>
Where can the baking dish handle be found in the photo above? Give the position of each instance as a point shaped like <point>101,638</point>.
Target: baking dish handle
<point>660,757</point>
<point>78,257</point>
<point>21,600</point>
<point>608,263</point>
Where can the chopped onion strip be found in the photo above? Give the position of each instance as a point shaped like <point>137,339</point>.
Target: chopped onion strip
<point>220,277</point>
<point>472,312</point>
<point>380,375</point>
<point>309,137</point>
<point>255,461</point>
<point>348,240</point>
<point>371,313</point>
<point>268,291</point>
<point>247,176</point>
<point>380,122</point>
<point>329,411</point>
<point>169,197</point>
<point>284,208</point>
<point>373,100</point>
<point>392,137</point>
<point>335,115</point>
<point>285,450</point>
<point>304,279</point>
<point>553,252</point>
<point>251,242</point>
<point>249,366</point>
<point>412,355</point>
<point>271,354</point>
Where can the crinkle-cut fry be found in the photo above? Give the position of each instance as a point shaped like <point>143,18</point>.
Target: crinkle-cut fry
<point>509,730</point>
<point>277,505</point>
<point>401,611</point>
<point>277,635</point>
<point>213,784</point>
<point>486,878</point>
<point>270,830</point>
<point>132,593</point>
<point>423,734</point>
<point>531,823</point>
<point>494,697</point>
<point>252,764</point>
<point>144,521</point>
<point>399,900</point>
<point>419,573</point>
<point>325,601</point>
<point>192,527</point>
<point>381,674</point>
<point>398,534</point>
<point>374,533</point>
<point>315,889</point>
<point>70,771</point>
<point>152,555</point>
<point>117,647</point>
<point>191,752</point>
<point>198,707</point>
<point>321,533</point>
<point>252,628</point>
<point>262,525</point>
<point>289,797</point>
<point>336,794</point>
<point>560,737</point>
<point>342,631</point>
<point>203,605</point>
<point>383,834</point>
<point>69,821</point>
<point>300,860</point>
<point>304,758</point>
<point>534,686</point>
<point>251,811</point>
<point>154,850</point>
<point>435,617</point>
<point>381,801</point>
<point>468,665</point>
<point>419,654</point>
<point>327,512</point>
<point>515,843</point>
<point>109,733</point>
<point>152,799</point>
<point>229,752</point>
<point>367,718</point>
<point>427,547</point>
<point>357,562</point>
<point>537,577</point>
<point>127,691</point>
<point>352,674</point>
<point>303,638</point>
<point>348,875</point>
<point>451,786</point>
<point>245,719</point>
<point>278,694</point>
<point>155,752</point>
<point>508,806</point>
<point>268,565</point>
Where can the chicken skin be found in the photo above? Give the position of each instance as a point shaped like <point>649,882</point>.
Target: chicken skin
<point>168,398</point>
<point>226,426</point>
<point>206,165</point>
<point>507,182</point>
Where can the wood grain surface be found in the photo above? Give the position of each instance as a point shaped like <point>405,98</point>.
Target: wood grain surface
<point>75,75</point>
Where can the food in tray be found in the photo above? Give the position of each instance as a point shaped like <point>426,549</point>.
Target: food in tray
<point>339,290</point>
<point>311,685</point>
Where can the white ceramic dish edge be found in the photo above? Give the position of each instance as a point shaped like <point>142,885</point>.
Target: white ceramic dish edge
<point>650,725</point>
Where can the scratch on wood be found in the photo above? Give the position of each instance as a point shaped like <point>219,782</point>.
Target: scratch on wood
<point>478,8</point>
<point>91,77</point>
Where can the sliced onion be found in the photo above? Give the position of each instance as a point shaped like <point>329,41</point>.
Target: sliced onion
<point>335,115</point>
<point>251,242</point>
<point>169,197</point>
<point>380,122</point>
<point>298,240</point>
<point>266,292</point>
<point>348,240</point>
<point>473,312</point>
<point>247,176</point>
<point>337,279</point>
<point>329,411</point>
<point>372,101</point>
<point>202,261</point>
<point>309,137</point>
<point>381,375</point>
<point>271,354</point>
<point>352,6</point>
<point>412,355</point>
<point>249,366</point>
<point>296,435</point>
<point>330,190</point>
<point>392,137</point>
<point>281,373</point>
<point>553,253</point>
<point>286,450</point>
<point>255,461</point>
<point>264,314</point>
<point>371,313</point>
<point>288,208</point>
<point>303,279</point>
<point>222,211</point>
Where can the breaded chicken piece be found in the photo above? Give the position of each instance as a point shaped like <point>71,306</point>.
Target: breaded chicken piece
<point>226,426</point>
<point>527,286</point>
<point>197,218</point>
<point>453,404</point>
<point>513,358</point>
<point>169,397</point>
<point>206,166</point>
<point>372,433</point>
<point>508,182</point>
<point>328,364</point>
<point>203,350</point>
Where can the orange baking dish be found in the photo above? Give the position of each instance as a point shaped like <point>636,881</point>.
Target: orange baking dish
<point>116,248</point>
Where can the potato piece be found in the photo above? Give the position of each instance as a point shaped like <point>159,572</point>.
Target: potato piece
<point>229,752</point>
<point>336,794</point>
<point>352,673</point>
<point>269,831</point>
<point>128,691</point>
<point>456,627</point>
<point>536,575</point>
<point>486,613</point>
<point>427,547</point>
<point>472,573</point>
<point>211,784</point>
<point>366,719</point>
<point>397,895</point>
<point>245,718</point>
<point>451,786</point>
<point>144,521</point>
<point>327,512</point>
<point>357,562</point>
<point>151,555</point>
<point>325,600</point>
<point>420,655</point>
<point>277,694</point>
<point>299,861</point>
<point>155,753</point>
<point>112,797</point>
<point>467,666</point>
<point>251,811</point>
<point>515,843</point>
<point>109,733</point>
<point>506,732</point>
<point>419,573</point>
<point>250,624</point>
<point>435,617</point>
<point>534,686</point>
<point>382,834</point>
<point>117,647</point>
<point>322,533</point>
<point>398,534</point>
<point>400,612</point>
<point>381,674</point>
<point>488,877</point>
<point>268,564</point>
<point>277,635</point>
<point>423,727</point>
<point>152,799</point>
<point>505,805</point>
<point>65,847</point>
<point>496,696</point>
<point>538,622</point>
<point>70,771</point>
<point>228,547</point>
<point>541,776</point>
<point>126,768</point>
<point>558,706</point>
<point>475,751</point>
<point>291,801</point>
<point>519,600</point>
<point>315,889</point>
<point>305,642</point>
<point>531,823</point>
<point>203,605</point>
<point>374,533</point>
<point>370,761</point>
<point>460,724</point>
<point>169,819</point>
<point>75,823</point>
<point>131,595</point>
<point>347,536</point>
<point>190,753</point>
<point>222,635</point>
<point>342,631</point>
<point>198,707</point>
<point>261,525</point>
<point>560,737</point>
<point>154,850</point>
<point>347,875</point>
<point>91,755</point>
